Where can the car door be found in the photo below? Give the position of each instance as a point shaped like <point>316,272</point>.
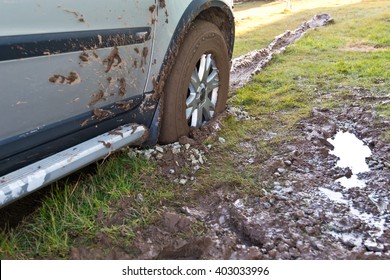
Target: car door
<point>63,64</point>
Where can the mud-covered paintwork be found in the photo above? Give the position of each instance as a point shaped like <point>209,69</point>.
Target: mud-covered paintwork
<point>72,70</point>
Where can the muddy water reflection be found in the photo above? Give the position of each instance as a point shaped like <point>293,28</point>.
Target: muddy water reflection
<point>352,153</point>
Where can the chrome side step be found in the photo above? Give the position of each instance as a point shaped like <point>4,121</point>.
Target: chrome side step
<point>20,183</point>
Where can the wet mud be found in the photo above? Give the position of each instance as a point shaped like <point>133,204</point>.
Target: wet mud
<point>303,212</point>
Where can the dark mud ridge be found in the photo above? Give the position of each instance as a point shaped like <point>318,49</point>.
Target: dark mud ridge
<point>245,66</point>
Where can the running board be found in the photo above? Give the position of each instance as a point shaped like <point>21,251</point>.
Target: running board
<point>24,181</point>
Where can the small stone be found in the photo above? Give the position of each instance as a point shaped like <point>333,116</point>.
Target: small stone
<point>171,171</point>
<point>310,230</point>
<point>140,197</point>
<point>222,140</point>
<point>281,170</point>
<point>300,213</point>
<point>294,252</point>
<point>288,162</point>
<point>277,174</point>
<point>132,153</point>
<point>372,163</point>
<point>187,146</point>
<point>183,181</point>
<point>372,245</point>
<point>159,156</point>
<point>159,149</point>
<point>273,253</point>
<point>380,166</point>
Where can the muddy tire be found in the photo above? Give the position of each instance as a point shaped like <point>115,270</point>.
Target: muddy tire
<point>197,87</point>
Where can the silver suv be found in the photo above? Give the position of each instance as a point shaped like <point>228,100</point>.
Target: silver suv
<point>81,79</point>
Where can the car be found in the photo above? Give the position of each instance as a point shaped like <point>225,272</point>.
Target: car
<point>81,79</point>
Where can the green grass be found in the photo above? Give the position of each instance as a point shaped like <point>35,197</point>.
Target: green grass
<point>69,216</point>
<point>329,60</point>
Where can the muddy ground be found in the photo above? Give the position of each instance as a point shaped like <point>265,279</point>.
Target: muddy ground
<point>304,212</point>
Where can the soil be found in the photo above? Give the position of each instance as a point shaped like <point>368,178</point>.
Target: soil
<point>293,217</point>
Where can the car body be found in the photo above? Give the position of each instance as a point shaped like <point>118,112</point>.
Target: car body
<point>81,79</point>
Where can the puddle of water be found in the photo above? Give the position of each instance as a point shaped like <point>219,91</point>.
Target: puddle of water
<point>378,223</point>
<point>352,153</point>
<point>334,196</point>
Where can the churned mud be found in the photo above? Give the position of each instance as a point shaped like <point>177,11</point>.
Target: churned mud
<point>303,210</point>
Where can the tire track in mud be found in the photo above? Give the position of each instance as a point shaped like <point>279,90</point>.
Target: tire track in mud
<point>245,66</point>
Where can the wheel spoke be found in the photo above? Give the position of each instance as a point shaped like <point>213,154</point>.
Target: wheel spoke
<point>191,99</point>
<point>202,91</point>
<point>213,80</point>
<point>195,81</point>
<point>202,67</point>
<point>208,109</point>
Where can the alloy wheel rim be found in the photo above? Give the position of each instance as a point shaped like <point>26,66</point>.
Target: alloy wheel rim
<point>202,91</point>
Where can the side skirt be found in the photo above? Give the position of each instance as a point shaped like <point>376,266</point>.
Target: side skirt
<point>22,182</point>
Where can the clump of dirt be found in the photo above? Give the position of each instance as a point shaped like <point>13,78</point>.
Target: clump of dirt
<point>113,59</point>
<point>122,88</point>
<point>181,160</point>
<point>100,114</point>
<point>97,97</point>
<point>245,66</point>
<point>72,79</point>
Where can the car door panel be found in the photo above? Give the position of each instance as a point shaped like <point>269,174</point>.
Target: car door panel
<point>75,60</point>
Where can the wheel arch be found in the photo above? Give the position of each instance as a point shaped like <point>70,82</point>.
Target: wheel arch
<point>214,11</point>
<point>223,18</point>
